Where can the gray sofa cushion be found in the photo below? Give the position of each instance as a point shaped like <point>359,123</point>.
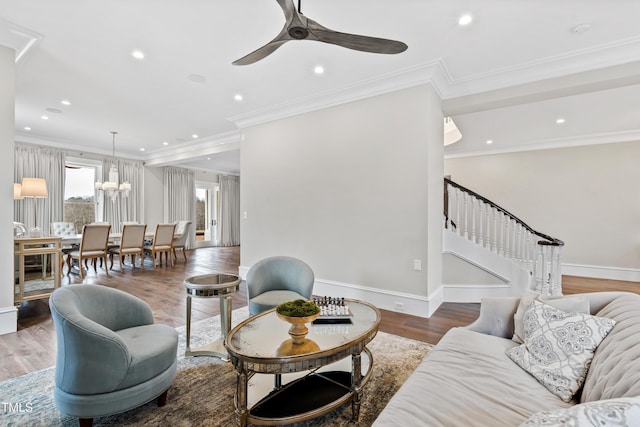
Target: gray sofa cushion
<point>615,368</point>
<point>467,380</point>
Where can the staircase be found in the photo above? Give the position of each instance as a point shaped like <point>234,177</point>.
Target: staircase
<point>490,252</point>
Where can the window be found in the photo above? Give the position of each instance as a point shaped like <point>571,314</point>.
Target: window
<point>206,213</point>
<point>201,213</point>
<point>79,193</point>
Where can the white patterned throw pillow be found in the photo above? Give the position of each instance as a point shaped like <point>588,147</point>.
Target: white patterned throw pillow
<point>571,303</point>
<point>558,347</point>
<point>622,412</point>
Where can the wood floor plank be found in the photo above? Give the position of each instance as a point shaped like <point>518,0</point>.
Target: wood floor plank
<point>33,347</point>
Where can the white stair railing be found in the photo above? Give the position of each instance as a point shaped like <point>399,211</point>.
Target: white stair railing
<point>486,224</point>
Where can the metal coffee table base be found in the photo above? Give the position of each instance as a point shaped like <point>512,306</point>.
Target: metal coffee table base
<point>215,348</point>
<point>211,286</point>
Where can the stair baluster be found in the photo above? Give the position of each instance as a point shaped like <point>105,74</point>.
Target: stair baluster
<point>508,237</point>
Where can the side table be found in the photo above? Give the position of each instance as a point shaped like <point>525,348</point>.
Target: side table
<point>49,250</point>
<point>217,285</point>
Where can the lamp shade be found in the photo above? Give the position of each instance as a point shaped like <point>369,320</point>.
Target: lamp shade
<point>17,191</point>
<point>34,187</point>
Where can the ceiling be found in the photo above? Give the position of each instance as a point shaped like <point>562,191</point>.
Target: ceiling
<point>506,77</point>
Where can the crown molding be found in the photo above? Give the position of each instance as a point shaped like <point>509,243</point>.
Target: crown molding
<point>17,38</point>
<point>541,72</point>
<point>549,144</point>
<point>434,72</point>
<point>70,148</point>
<point>203,147</point>
<point>188,151</point>
<point>578,61</point>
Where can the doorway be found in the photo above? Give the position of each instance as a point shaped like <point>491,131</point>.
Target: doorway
<point>206,214</point>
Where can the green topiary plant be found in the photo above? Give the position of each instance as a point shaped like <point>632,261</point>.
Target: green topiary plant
<point>298,308</point>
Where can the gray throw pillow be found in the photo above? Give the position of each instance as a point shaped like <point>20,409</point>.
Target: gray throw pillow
<point>558,347</point>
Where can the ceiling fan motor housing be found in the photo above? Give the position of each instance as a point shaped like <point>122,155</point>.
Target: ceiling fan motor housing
<point>298,33</point>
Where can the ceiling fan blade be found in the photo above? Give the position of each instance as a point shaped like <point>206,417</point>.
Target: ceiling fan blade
<point>299,27</point>
<point>260,53</point>
<point>289,9</point>
<point>294,19</point>
<point>354,41</point>
<point>362,43</point>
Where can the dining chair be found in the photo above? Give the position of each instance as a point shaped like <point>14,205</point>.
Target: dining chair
<point>64,229</point>
<point>93,245</point>
<point>131,243</point>
<point>183,228</point>
<point>162,243</point>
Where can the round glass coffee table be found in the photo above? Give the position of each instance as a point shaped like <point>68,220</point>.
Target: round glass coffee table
<point>216,285</point>
<point>261,345</point>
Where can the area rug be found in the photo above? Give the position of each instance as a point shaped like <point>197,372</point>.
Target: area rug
<point>202,393</point>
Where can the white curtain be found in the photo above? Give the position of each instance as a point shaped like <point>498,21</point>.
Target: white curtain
<point>180,199</point>
<point>229,210</point>
<point>124,209</point>
<point>38,162</point>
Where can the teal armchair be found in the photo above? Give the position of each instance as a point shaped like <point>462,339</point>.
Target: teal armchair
<point>278,279</point>
<point>111,357</point>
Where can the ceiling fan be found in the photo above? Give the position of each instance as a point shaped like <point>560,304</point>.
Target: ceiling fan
<point>299,27</point>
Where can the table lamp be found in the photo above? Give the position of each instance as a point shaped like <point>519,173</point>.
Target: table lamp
<point>17,191</point>
<point>35,188</point>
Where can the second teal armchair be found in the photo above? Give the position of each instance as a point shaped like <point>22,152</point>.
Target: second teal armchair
<point>278,279</point>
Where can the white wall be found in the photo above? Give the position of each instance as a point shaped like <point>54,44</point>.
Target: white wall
<point>346,190</point>
<point>8,312</point>
<point>458,271</point>
<point>586,196</point>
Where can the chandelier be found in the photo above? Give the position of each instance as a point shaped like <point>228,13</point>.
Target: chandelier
<point>111,188</point>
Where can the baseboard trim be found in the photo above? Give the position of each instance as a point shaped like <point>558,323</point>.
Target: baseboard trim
<point>414,305</point>
<point>8,320</point>
<point>474,293</point>
<point>602,272</point>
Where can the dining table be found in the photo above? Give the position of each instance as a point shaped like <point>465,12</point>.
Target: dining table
<point>71,241</point>
<point>75,239</point>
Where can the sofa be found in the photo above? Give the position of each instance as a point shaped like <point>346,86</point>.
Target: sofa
<point>469,380</point>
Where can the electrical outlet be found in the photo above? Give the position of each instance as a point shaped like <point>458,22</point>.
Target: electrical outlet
<point>398,306</point>
<point>417,265</point>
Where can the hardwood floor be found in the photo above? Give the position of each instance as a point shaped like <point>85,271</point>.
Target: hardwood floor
<point>33,346</point>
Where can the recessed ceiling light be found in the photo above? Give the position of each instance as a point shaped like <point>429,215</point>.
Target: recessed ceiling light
<point>238,97</point>
<point>141,148</point>
<point>138,54</point>
<point>197,78</point>
<point>65,102</point>
<point>318,69</point>
<point>465,20</point>
<point>194,136</point>
<point>165,143</point>
<point>208,158</point>
<point>44,117</point>
<point>27,128</point>
<point>489,141</point>
<point>560,121</point>
<point>581,28</point>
